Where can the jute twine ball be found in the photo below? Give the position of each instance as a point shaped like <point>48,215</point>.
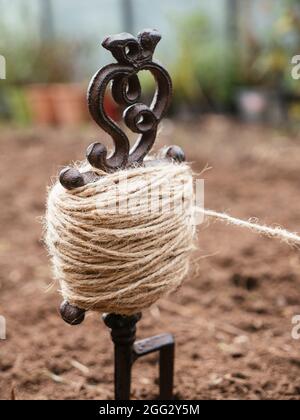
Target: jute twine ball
<point>122,242</point>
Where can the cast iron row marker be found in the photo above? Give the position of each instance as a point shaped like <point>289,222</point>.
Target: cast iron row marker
<point>133,54</point>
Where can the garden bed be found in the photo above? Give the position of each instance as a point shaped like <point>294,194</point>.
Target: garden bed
<point>231,319</point>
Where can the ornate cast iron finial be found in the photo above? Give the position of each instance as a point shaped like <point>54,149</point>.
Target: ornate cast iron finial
<point>133,54</point>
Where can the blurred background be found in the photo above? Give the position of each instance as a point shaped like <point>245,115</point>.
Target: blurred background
<point>236,111</point>
<point>225,56</point>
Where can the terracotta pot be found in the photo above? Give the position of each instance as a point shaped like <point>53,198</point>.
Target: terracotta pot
<point>69,104</point>
<point>40,104</point>
<point>64,104</point>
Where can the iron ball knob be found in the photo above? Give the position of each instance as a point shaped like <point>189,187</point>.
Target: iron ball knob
<point>175,153</point>
<point>71,314</point>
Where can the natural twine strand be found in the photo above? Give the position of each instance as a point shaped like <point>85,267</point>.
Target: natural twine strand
<point>272,232</point>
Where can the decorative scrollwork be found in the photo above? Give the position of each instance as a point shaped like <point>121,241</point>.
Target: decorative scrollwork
<point>133,55</point>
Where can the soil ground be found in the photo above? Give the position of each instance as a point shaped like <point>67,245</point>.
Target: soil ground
<point>232,318</point>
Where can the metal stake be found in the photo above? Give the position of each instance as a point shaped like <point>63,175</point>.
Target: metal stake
<point>133,54</point>
<point>127,351</point>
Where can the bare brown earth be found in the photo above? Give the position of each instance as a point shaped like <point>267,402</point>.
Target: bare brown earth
<point>232,317</point>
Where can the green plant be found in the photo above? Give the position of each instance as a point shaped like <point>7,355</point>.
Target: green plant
<point>33,58</point>
<point>204,72</point>
<point>50,61</point>
<point>267,62</point>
